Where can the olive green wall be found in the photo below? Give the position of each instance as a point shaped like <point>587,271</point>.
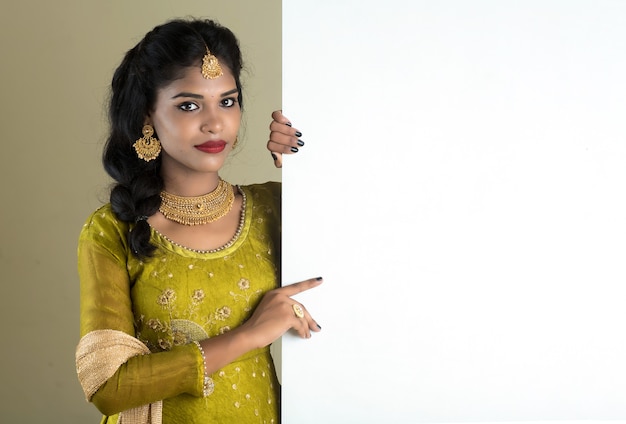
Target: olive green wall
<point>57,61</point>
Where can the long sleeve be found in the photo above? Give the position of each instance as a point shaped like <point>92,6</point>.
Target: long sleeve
<point>105,303</point>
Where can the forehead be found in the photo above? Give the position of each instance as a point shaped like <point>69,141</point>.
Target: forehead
<point>192,81</point>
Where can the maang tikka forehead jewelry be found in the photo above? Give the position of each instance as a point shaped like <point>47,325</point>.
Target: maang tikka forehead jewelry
<point>211,68</point>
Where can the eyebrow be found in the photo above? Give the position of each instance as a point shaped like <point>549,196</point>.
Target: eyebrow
<point>199,96</point>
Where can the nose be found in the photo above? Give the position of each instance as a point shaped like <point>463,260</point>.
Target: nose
<point>211,123</point>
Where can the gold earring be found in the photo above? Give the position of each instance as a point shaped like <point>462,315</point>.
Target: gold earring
<point>235,142</point>
<point>147,147</point>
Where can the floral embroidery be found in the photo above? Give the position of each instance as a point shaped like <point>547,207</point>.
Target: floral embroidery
<point>196,299</point>
<point>165,344</point>
<point>179,336</point>
<point>222,313</point>
<point>244,286</point>
<point>197,296</point>
<point>167,297</point>
<point>156,325</point>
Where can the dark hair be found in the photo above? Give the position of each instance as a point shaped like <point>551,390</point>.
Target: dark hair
<point>156,61</point>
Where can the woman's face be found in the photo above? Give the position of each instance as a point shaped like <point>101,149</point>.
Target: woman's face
<point>197,121</point>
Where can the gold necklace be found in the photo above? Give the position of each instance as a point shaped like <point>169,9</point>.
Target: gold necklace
<point>200,209</point>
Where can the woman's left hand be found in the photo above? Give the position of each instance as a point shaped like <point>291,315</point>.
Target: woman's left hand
<point>283,138</point>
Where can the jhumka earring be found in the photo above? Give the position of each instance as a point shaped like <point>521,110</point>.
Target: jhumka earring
<point>147,147</point>
<point>211,68</point>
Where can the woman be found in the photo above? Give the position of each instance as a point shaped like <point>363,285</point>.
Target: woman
<point>179,273</point>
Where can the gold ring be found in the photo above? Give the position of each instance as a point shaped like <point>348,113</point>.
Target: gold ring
<point>297,309</point>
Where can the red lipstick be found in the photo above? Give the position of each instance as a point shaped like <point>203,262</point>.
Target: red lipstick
<point>212,146</point>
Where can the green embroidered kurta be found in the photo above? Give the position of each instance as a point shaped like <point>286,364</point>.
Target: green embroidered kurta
<point>178,296</point>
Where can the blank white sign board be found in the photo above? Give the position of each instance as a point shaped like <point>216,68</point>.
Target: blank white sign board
<point>462,191</point>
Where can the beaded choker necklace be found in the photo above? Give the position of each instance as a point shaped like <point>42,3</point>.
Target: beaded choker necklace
<point>201,209</point>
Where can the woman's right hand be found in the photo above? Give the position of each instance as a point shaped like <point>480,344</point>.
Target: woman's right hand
<point>275,314</point>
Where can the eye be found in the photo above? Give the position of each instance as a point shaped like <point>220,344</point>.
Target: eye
<point>229,102</point>
<point>188,106</point>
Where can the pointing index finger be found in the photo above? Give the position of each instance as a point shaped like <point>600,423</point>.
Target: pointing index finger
<point>293,289</point>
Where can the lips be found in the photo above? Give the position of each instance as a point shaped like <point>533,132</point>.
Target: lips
<point>215,146</point>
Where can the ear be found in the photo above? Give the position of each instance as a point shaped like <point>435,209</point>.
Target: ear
<point>147,119</point>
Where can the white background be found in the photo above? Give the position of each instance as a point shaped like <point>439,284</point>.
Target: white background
<point>462,192</point>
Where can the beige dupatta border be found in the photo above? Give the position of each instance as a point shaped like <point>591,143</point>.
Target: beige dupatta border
<point>99,354</point>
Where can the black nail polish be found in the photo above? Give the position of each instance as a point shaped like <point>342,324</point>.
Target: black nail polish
<point>294,149</point>
<point>274,156</point>
<point>318,326</point>
<point>298,134</point>
<point>300,143</point>
<point>319,278</point>
<point>288,124</point>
